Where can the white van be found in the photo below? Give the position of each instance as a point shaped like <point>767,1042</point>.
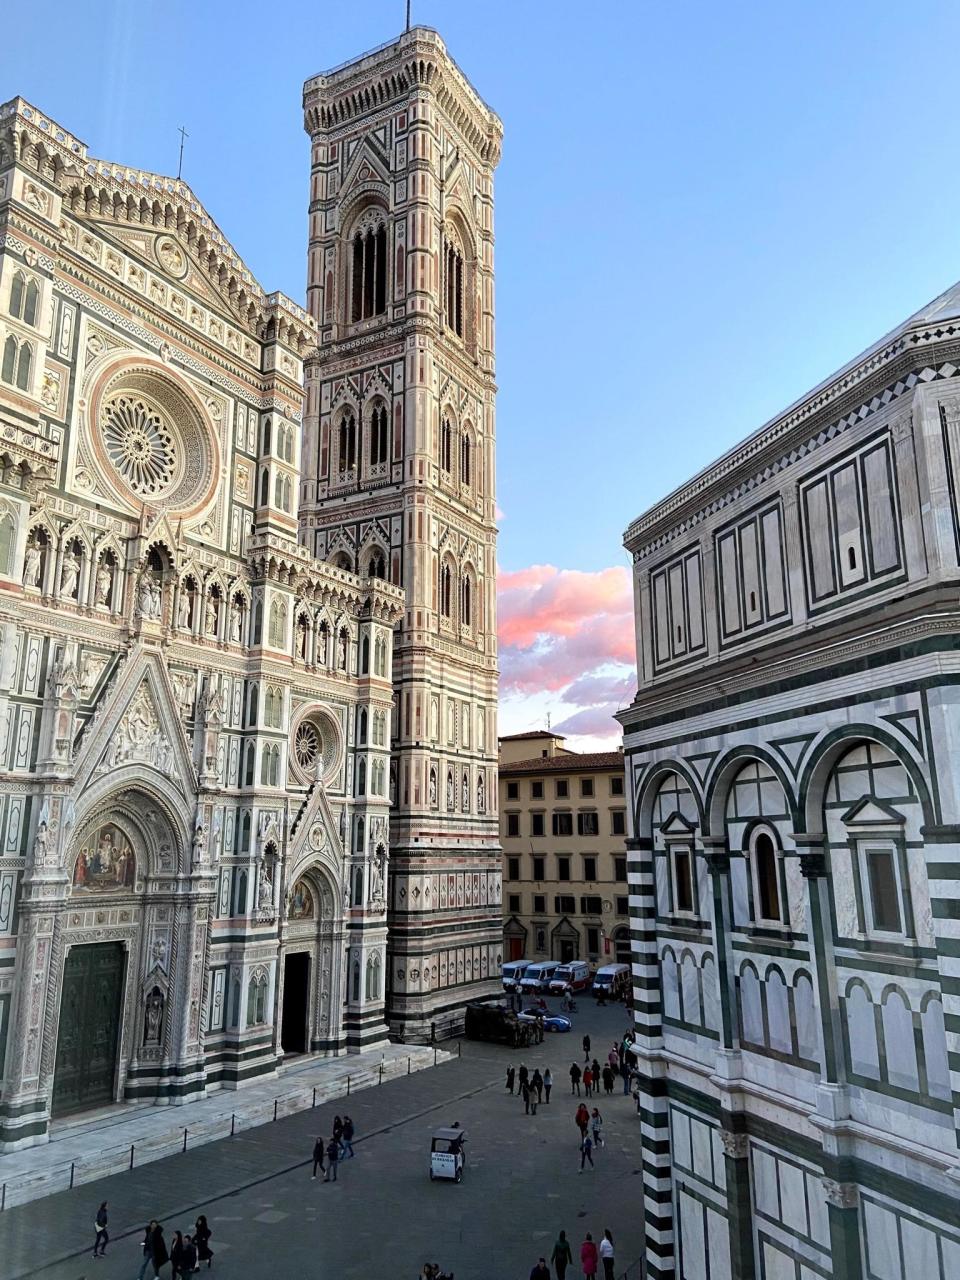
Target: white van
<point>537,977</point>
<point>612,981</point>
<point>571,977</point>
<point>512,972</point>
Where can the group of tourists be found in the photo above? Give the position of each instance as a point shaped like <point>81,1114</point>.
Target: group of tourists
<point>591,1255</point>
<point>592,1075</point>
<point>340,1147</point>
<point>531,1089</point>
<point>187,1251</point>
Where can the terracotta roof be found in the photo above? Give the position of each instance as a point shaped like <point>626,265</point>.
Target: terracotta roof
<point>534,733</point>
<point>575,762</point>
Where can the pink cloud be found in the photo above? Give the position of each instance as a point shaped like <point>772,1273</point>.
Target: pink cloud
<point>589,690</point>
<point>593,722</point>
<point>543,600</point>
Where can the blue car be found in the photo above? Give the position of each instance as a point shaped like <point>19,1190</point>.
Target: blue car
<point>551,1021</point>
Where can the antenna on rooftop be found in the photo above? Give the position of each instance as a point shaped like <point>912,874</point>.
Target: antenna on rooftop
<point>408,15</point>
<point>183,137</point>
<point>548,719</point>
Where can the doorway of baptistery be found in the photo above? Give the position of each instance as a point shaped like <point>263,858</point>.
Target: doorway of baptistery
<point>294,1029</point>
<point>88,1037</point>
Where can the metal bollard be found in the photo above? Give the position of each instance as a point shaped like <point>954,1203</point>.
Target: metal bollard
<point>314,1103</point>
<point>380,1081</point>
<point>131,1155</point>
<point>71,1175</point>
<point>459,1047</point>
<point>3,1198</point>
<point>348,1086</point>
<point>408,1066</point>
<point>184,1139</point>
<point>233,1123</point>
<point>434,1055</point>
<point>275,1108</point>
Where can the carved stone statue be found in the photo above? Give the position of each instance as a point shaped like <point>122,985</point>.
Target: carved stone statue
<point>41,844</point>
<point>377,872</point>
<point>104,582</point>
<point>153,1017</point>
<point>31,565</point>
<point>342,651</point>
<point>433,788</point>
<point>264,891</point>
<point>156,599</point>
<point>199,842</point>
<point>481,796</point>
<point>210,616</point>
<point>450,791</point>
<point>236,623</point>
<point>145,597</point>
<point>184,609</point>
<point>322,647</point>
<point>465,795</point>
<point>302,640</point>
<point>70,575</point>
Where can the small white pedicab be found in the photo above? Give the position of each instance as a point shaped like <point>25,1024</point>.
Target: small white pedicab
<point>446,1154</point>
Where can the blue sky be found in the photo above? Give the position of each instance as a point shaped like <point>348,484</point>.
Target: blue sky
<point>701,211</point>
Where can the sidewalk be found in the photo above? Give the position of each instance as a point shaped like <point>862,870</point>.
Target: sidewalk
<point>125,1137</point>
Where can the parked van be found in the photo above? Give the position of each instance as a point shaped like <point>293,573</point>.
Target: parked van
<point>612,981</point>
<point>538,975</point>
<point>512,972</point>
<point>574,976</point>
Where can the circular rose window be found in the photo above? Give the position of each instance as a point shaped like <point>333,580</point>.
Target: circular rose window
<point>152,439</point>
<point>140,444</point>
<point>317,746</point>
<point>308,746</point>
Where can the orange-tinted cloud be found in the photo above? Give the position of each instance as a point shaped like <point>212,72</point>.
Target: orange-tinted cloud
<point>543,600</point>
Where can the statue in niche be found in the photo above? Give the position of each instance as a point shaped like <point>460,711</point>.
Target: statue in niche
<point>156,598</point>
<point>104,581</point>
<point>450,791</point>
<point>70,574</point>
<point>184,609</point>
<point>41,843</point>
<point>210,616</point>
<point>433,788</point>
<point>32,560</point>
<point>199,842</point>
<point>236,622</point>
<point>322,646</point>
<point>153,1017</point>
<point>302,639</point>
<point>377,873</point>
<point>465,795</point>
<point>481,796</point>
<point>264,891</point>
<point>342,651</point>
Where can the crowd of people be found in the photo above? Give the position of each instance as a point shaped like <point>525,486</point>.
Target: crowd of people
<point>339,1147</point>
<point>187,1251</point>
<point>592,1254</point>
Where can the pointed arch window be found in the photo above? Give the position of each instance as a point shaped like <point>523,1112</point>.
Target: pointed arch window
<point>348,443</point>
<point>446,445</point>
<point>16,295</point>
<point>23,366</point>
<point>465,459</point>
<point>453,286</point>
<point>368,289</point>
<point>379,435</point>
<point>9,359</point>
<point>466,601</point>
<point>446,589</point>
<point>378,566</point>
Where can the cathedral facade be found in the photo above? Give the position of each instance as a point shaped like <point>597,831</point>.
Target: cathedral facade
<point>196,711</point>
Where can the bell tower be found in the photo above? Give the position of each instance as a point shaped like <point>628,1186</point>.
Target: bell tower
<point>398,477</point>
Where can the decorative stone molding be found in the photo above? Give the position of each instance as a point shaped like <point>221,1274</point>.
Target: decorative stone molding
<point>736,1145</point>
<point>842,1195</point>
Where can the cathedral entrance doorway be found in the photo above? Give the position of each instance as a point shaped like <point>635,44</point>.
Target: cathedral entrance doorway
<point>89,1030</point>
<point>296,1002</point>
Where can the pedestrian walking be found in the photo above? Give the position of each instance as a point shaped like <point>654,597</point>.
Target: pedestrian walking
<point>607,1076</point>
<point>158,1249</point>
<point>625,1077</point>
<point>613,1059</point>
<point>317,1157</point>
<point>547,1084</point>
<point>595,1070</point>
<point>586,1151</point>
<point>596,1126</point>
<point>177,1265</point>
<point>582,1119</point>
<point>575,1080</point>
<point>101,1239</point>
<point>562,1255</point>
<point>525,1095</point>
<point>587,1081</point>
<point>523,1075</point>
<point>589,1258</point>
<point>147,1247</point>
<point>536,1082</point>
<point>541,1271</point>
<point>346,1142</point>
<point>333,1157</point>
<point>586,1048</point>
<point>606,1254</point>
<point>189,1256</point>
<point>337,1129</point>
<point>511,1077</point>
<point>202,1234</point>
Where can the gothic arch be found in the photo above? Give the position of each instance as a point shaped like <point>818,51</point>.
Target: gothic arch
<point>722,778</point>
<point>827,753</point>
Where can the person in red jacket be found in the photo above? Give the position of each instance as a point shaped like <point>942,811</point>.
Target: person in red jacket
<point>589,1258</point>
<point>582,1117</point>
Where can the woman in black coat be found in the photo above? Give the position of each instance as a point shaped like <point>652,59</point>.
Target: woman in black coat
<point>202,1234</point>
<point>177,1264</point>
<point>158,1249</point>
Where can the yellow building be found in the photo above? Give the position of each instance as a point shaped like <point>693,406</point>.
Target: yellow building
<point>563,827</point>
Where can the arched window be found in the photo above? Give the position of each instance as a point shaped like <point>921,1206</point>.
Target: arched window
<point>287,494</point>
<point>766,877</point>
<point>379,432</point>
<point>365,655</point>
<point>446,588</point>
<point>257,998</point>
<point>464,458</point>
<point>23,366</point>
<point>446,445</point>
<point>362,727</point>
<point>466,601</point>
<point>31,303</point>
<point>368,286</point>
<point>16,295</point>
<point>266,436</point>
<point>9,359</point>
<point>453,286</point>
<point>278,492</point>
<point>258,622</point>
<point>249,764</point>
<point>378,566</point>
<point>348,443</point>
<point>362,778</point>
<point>264,487</point>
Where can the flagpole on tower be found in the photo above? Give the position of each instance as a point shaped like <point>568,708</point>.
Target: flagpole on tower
<point>408,15</point>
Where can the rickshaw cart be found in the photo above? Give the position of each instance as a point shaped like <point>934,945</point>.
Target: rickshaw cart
<point>446,1154</point>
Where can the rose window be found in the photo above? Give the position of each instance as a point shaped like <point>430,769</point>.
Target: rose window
<point>307,746</point>
<point>140,445</point>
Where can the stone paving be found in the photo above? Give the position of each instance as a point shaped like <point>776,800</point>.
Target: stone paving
<point>100,1143</point>
<point>384,1217</point>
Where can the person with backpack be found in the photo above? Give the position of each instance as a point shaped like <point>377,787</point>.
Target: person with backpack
<point>346,1140</point>
<point>189,1256</point>
<point>101,1240</point>
<point>562,1255</point>
<point>586,1048</point>
<point>536,1082</point>
<point>333,1156</point>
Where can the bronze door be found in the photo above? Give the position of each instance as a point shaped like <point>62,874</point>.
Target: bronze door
<point>89,1033</point>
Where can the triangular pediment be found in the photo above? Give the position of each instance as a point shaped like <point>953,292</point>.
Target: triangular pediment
<point>137,723</point>
<point>367,165</point>
<point>677,825</point>
<point>315,838</point>
<point>870,812</point>
<point>793,750</point>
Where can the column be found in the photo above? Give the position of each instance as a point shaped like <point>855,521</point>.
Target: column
<point>843,1211</point>
<point>832,1101</point>
<point>736,1160</point>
